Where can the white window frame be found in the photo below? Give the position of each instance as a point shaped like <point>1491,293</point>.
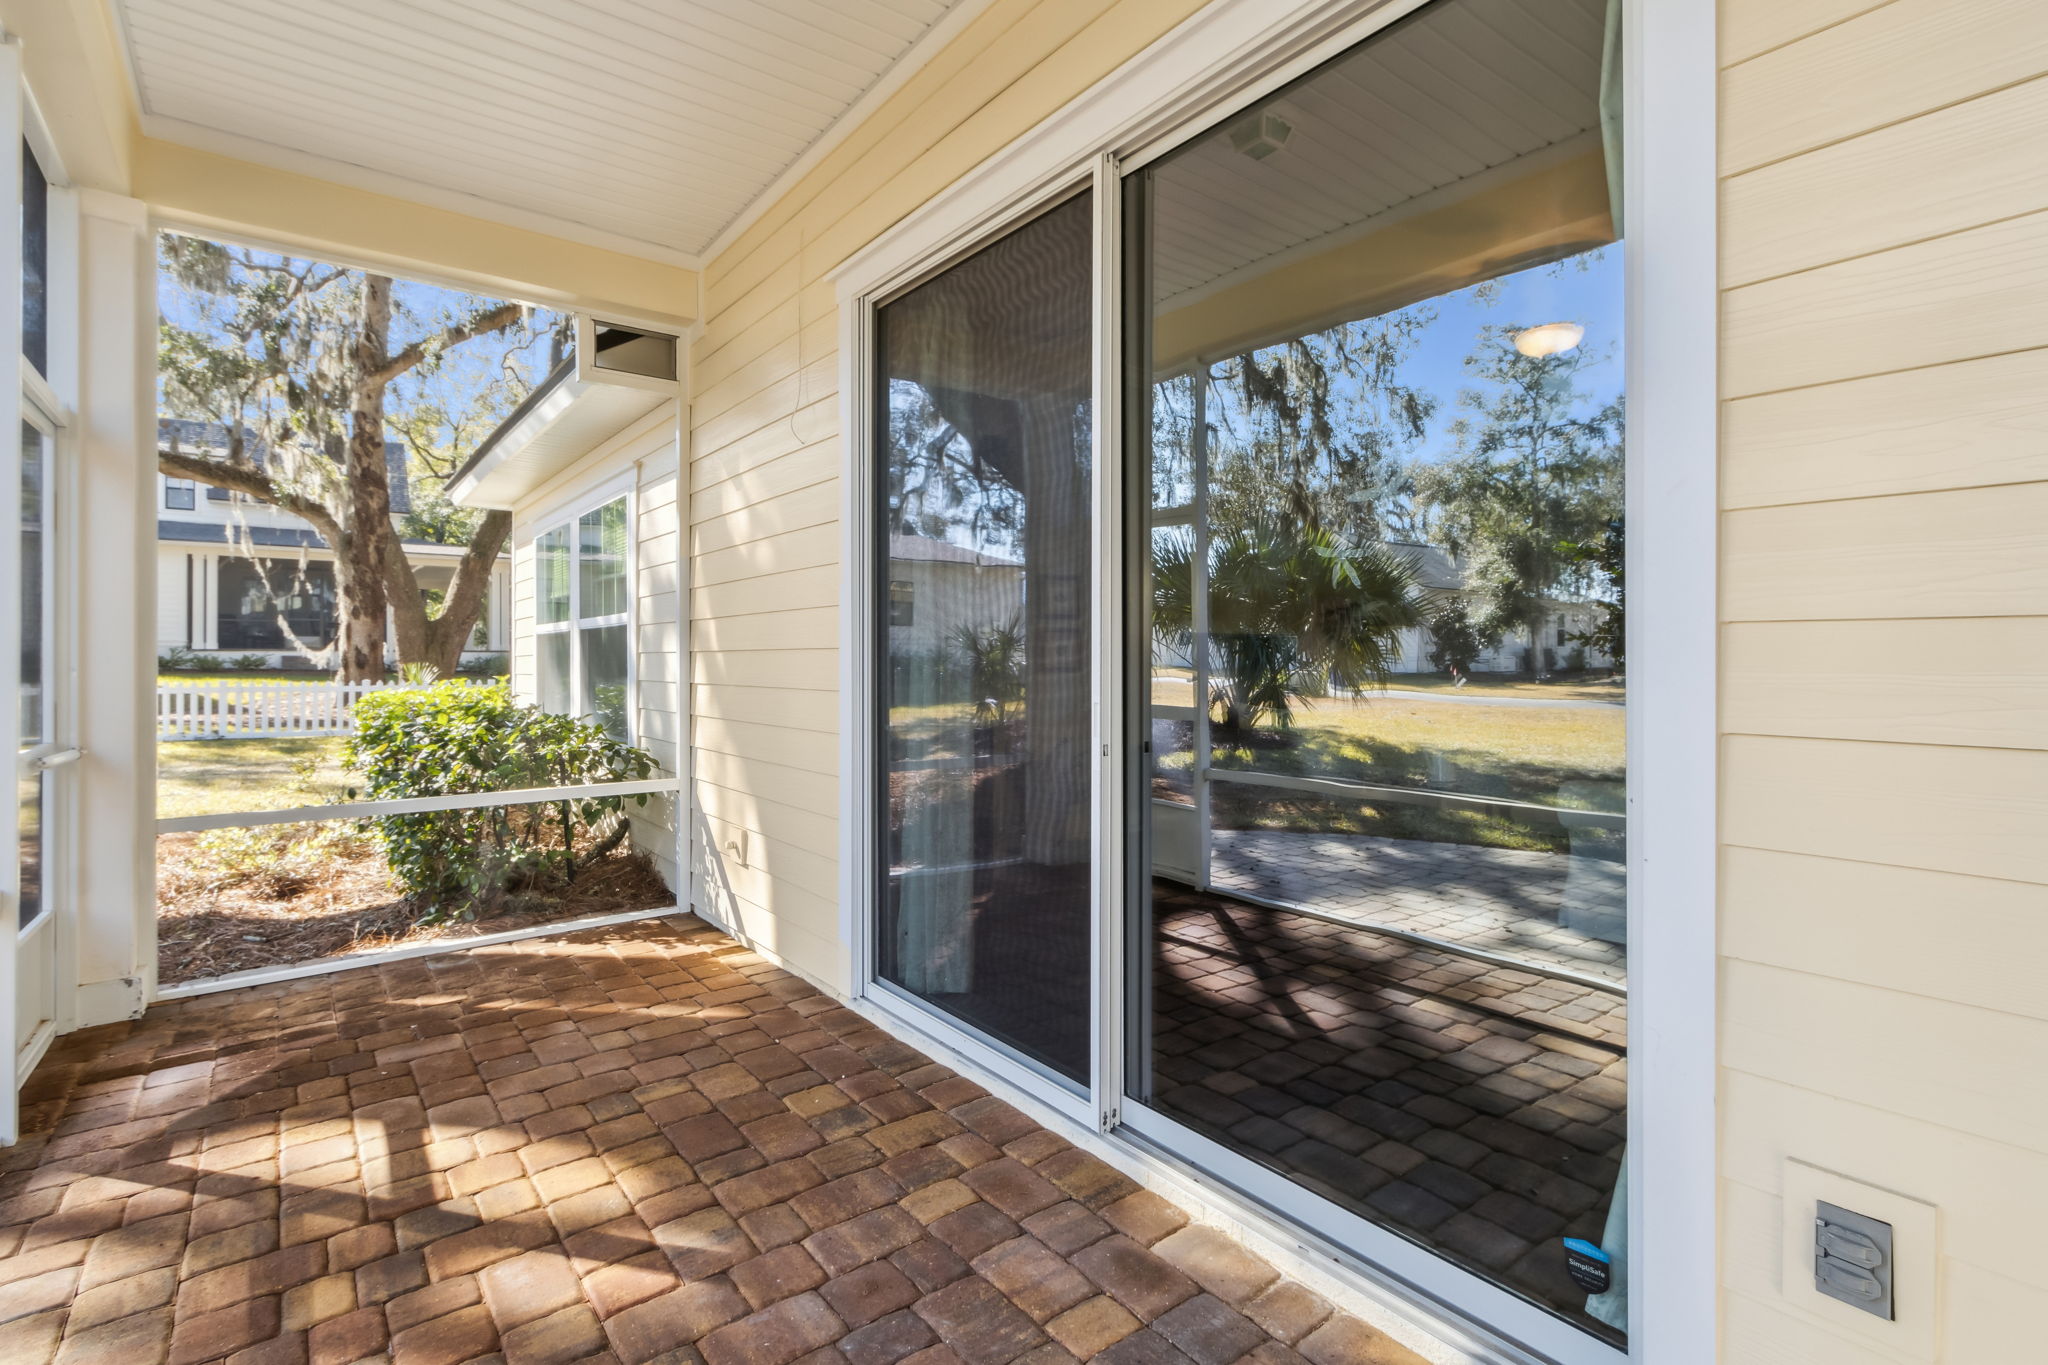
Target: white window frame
<point>576,623</point>
<point>1227,56</point>
<point>41,400</point>
<point>189,487</point>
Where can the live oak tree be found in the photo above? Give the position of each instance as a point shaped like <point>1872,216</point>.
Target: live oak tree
<point>307,371</point>
<point>1536,473</point>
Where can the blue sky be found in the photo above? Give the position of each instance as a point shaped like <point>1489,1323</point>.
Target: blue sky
<point>1562,292</point>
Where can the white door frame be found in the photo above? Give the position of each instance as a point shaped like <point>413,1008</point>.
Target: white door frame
<point>47,947</point>
<point>1228,55</point>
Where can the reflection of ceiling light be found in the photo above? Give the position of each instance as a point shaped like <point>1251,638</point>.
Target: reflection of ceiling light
<point>1552,338</point>
<point>1261,135</point>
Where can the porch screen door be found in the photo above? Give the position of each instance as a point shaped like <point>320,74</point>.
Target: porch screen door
<point>39,757</point>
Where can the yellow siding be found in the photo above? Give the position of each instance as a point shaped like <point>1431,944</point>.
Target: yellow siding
<point>1885,482</point>
<point>1884,584</point>
<point>766,454</point>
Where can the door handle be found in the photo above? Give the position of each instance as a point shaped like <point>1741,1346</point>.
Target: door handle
<point>56,760</point>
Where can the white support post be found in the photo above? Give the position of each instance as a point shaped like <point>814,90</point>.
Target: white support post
<point>115,450</point>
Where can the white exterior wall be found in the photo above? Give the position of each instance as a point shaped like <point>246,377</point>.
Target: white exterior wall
<point>174,620</point>
<point>641,460</point>
<point>946,596</point>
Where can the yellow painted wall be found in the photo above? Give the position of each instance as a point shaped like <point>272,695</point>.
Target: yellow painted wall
<point>1884,580</point>
<point>1884,573</point>
<point>766,453</point>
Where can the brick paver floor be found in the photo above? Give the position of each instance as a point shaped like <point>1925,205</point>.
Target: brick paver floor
<point>1504,900</point>
<point>638,1144</point>
<point>1479,1109</point>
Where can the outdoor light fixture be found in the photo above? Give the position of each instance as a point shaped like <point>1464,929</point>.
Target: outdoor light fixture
<point>1552,338</point>
<point>1261,135</point>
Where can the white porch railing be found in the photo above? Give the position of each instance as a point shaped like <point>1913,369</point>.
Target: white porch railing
<point>233,708</point>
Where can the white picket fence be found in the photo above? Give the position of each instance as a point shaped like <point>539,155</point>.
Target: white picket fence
<point>234,708</point>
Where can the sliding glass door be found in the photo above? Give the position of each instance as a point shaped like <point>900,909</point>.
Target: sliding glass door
<point>1293,842</point>
<point>1375,402</point>
<point>983,381</point>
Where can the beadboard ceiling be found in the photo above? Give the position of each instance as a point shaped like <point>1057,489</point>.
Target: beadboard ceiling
<point>643,125</point>
<point>1477,88</point>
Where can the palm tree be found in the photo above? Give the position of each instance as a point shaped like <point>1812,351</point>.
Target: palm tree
<point>995,667</point>
<point>1289,607</point>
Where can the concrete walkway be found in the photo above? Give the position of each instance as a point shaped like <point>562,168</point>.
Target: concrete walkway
<point>1501,900</point>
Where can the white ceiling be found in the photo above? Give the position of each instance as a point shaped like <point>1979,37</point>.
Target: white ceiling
<point>1459,92</point>
<point>644,125</point>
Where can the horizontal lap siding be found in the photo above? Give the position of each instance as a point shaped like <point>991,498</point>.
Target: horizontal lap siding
<point>1884,669</point>
<point>657,646</point>
<point>767,455</point>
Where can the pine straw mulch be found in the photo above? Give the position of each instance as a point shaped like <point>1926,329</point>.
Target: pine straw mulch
<point>241,900</point>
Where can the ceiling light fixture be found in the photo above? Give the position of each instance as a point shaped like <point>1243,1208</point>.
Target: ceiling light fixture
<point>1551,338</point>
<point>1261,135</point>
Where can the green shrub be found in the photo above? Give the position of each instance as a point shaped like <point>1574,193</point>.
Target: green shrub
<point>488,665</point>
<point>464,737</point>
<point>177,659</point>
<point>248,663</point>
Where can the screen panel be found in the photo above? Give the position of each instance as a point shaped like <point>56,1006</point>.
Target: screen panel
<point>983,387</point>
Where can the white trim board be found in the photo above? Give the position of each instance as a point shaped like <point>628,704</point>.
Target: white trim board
<point>1226,56</point>
<point>348,962</point>
<point>291,161</point>
<point>399,267</point>
<point>411,805</point>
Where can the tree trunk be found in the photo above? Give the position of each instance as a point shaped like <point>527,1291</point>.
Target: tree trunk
<point>359,558</point>
<point>438,640</point>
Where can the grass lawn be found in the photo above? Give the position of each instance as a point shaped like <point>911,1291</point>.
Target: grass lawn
<point>1519,751</point>
<point>1564,756</point>
<point>218,776</point>
<point>1576,688</point>
<point>1176,686</point>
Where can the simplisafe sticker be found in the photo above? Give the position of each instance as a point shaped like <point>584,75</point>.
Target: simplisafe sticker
<point>1591,1268</point>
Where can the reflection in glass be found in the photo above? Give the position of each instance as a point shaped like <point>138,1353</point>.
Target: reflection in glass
<point>1377,414</point>
<point>35,261</point>
<point>601,560</point>
<point>32,807</point>
<point>604,678</point>
<point>551,576</point>
<point>983,501</point>
<point>552,651</point>
<point>31,658</point>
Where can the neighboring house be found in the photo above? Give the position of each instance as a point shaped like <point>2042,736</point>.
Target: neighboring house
<point>237,577</point>
<point>588,467</point>
<point>938,589</point>
<point>1442,576</point>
